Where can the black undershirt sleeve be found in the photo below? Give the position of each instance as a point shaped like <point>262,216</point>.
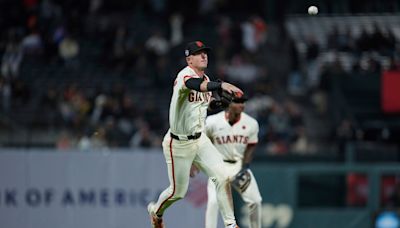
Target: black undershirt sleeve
<point>194,83</point>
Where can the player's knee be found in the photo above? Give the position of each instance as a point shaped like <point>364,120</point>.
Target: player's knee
<point>222,178</point>
<point>254,206</point>
<point>221,182</point>
<point>254,200</point>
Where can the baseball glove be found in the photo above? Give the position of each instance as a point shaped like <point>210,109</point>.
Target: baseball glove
<point>241,181</point>
<point>222,99</point>
<point>225,96</point>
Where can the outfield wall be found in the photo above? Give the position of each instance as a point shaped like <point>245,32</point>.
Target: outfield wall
<point>317,194</point>
<point>47,189</point>
<point>52,189</point>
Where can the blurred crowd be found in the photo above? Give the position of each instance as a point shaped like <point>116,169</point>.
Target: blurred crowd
<point>99,73</point>
<point>352,47</point>
<point>142,54</point>
<point>370,50</point>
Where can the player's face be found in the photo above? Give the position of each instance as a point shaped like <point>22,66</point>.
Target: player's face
<point>199,60</point>
<point>236,108</point>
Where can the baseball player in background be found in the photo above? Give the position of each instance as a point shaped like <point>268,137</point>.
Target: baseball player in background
<point>235,134</point>
<point>185,143</point>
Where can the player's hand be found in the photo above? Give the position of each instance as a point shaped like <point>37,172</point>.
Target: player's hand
<point>194,170</point>
<point>231,89</point>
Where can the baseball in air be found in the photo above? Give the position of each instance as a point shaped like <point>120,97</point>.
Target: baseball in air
<point>312,10</point>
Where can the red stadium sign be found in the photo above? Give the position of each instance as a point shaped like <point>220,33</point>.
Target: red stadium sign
<point>390,96</point>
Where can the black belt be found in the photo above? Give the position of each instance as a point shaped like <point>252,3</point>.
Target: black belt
<point>189,137</point>
<point>230,161</point>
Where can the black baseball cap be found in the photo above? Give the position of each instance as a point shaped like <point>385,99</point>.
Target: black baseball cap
<point>195,46</point>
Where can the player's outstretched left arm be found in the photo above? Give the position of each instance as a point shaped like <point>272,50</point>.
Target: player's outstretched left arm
<point>201,85</point>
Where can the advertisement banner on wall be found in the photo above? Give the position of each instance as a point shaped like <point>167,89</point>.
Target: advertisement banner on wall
<point>82,190</point>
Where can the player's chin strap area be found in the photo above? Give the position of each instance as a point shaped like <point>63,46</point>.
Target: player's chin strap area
<point>186,137</point>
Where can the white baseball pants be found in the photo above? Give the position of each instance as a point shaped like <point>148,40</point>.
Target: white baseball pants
<point>179,156</point>
<point>251,197</point>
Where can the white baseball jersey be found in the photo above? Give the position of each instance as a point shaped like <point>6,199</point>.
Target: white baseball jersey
<point>188,108</point>
<point>231,141</point>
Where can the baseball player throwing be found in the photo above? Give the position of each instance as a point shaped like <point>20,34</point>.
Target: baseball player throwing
<point>235,134</point>
<point>184,143</point>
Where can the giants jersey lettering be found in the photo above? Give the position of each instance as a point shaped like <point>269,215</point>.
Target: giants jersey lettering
<point>231,141</point>
<point>188,108</point>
